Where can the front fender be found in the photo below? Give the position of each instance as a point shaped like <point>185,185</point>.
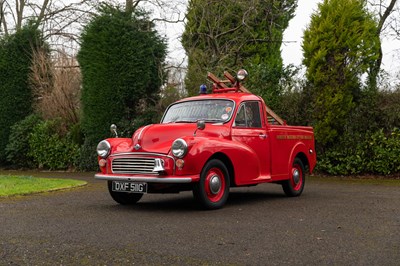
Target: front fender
<point>119,145</point>
<point>244,160</point>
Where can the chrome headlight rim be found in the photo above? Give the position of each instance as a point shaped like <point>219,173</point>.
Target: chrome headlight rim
<point>179,148</point>
<point>103,149</point>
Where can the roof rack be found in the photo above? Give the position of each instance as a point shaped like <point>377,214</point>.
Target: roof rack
<point>220,86</point>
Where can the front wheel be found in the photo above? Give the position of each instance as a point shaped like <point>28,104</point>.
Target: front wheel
<point>212,190</point>
<point>123,197</point>
<point>294,186</point>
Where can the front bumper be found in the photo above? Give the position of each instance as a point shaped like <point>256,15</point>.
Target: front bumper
<point>163,180</point>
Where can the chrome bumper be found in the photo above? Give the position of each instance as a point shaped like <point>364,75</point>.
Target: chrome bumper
<point>169,180</point>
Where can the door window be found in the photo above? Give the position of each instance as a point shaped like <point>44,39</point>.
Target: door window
<point>248,115</point>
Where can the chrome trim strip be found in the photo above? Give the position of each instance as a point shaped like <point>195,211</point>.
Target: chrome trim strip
<point>182,180</point>
<point>140,133</point>
<point>142,153</point>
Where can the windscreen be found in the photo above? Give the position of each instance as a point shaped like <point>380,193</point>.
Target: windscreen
<point>216,111</point>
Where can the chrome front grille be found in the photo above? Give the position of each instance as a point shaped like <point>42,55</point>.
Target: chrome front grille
<point>133,166</point>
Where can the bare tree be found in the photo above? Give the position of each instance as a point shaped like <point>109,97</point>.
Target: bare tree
<point>387,12</point>
<point>131,5</point>
<point>3,22</point>
<point>56,85</point>
<point>60,22</point>
<point>387,22</point>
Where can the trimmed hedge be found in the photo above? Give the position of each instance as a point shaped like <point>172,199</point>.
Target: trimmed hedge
<point>121,59</point>
<point>16,95</point>
<point>372,153</point>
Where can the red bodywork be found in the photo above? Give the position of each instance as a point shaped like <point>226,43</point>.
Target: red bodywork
<point>252,155</point>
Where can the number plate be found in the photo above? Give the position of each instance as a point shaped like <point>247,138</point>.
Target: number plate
<point>130,187</point>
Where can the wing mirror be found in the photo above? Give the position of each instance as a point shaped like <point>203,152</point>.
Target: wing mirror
<point>113,129</point>
<point>201,124</point>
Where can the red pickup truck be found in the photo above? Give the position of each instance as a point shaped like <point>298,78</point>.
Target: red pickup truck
<point>209,144</point>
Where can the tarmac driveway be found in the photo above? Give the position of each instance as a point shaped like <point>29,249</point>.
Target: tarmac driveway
<point>332,223</point>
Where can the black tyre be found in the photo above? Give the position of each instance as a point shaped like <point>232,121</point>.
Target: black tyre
<point>294,186</point>
<point>212,190</point>
<point>123,197</point>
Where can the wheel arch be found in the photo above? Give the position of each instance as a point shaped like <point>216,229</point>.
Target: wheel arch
<point>299,151</point>
<point>304,160</point>
<point>228,163</point>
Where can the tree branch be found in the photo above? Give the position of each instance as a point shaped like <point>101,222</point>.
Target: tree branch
<point>42,12</point>
<point>385,15</point>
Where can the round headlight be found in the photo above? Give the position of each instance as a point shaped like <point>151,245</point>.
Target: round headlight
<point>179,148</point>
<point>103,148</point>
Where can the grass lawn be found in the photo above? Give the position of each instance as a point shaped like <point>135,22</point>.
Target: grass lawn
<point>22,185</point>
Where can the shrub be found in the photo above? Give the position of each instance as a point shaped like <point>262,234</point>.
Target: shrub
<point>384,153</point>
<point>17,149</point>
<point>88,156</point>
<point>50,149</point>
<point>372,153</point>
<point>389,106</point>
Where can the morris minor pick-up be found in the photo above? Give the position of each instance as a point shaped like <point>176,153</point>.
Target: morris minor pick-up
<point>209,144</point>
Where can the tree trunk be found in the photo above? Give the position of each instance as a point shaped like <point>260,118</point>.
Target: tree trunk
<point>129,6</point>
<point>19,8</point>
<point>42,12</point>
<point>382,21</point>
<point>3,22</point>
<point>377,66</point>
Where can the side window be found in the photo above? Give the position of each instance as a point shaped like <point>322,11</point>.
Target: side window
<point>240,120</point>
<point>248,115</point>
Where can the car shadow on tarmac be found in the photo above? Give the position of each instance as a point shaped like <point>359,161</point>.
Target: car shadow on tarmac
<point>184,201</point>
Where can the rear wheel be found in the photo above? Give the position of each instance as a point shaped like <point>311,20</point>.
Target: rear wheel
<point>123,197</point>
<point>212,190</point>
<point>294,186</point>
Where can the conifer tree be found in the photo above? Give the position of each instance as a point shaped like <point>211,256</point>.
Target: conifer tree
<point>228,35</point>
<point>121,59</point>
<point>340,47</point>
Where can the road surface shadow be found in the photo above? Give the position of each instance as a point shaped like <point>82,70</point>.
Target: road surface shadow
<point>184,202</point>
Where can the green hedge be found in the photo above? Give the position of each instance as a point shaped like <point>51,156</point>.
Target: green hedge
<point>35,143</point>
<point>17,150</point>
<point>122,64</point>
<point>16,95</point>
<point>372,153</point>
<point>50,149</point>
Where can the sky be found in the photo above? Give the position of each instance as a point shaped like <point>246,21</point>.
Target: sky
<point>292,37</point>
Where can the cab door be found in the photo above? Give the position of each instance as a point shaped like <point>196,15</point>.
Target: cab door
<point>249,128</point>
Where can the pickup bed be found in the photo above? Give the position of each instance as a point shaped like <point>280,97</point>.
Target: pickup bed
<point>209,144</point>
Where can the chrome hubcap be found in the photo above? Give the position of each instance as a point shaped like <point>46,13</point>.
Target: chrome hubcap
<point>296,176</point>
<point>215,184</point>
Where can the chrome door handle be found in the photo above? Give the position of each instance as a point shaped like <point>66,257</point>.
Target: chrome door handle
<point>263,136</point>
